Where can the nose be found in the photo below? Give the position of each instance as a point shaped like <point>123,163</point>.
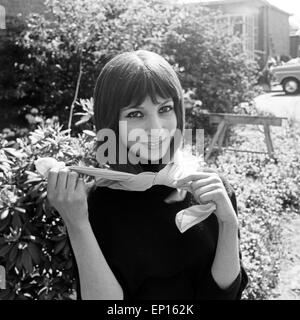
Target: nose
<point>154,123</point>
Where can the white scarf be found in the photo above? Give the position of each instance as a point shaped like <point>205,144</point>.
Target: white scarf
<point>180,167</point>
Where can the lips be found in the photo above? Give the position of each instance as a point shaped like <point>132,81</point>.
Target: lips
<point>155,143</point>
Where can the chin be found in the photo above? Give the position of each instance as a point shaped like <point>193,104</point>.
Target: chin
<point>155,154</point>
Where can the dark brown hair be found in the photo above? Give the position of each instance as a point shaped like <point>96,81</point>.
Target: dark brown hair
<point>129,78</point>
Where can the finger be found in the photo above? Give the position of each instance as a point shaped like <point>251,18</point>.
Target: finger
<point>202,190</point>
<point>208,196</point>
<point>80,184</point>
<point>52,181</point>
<point>72,180</point>
<point>192,177</point>
<point>209,170</point>
<point>62,180</point>
<point>202,182</point>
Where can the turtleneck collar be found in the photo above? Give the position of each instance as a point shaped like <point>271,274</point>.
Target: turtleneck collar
<point>153,167</point>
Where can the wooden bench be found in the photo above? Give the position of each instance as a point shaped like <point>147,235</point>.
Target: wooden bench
<point>224,120</point>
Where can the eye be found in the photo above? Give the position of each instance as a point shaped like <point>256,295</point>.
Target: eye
<point>134,114</point>
<point>165,109</point>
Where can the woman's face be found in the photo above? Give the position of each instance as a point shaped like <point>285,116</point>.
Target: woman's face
<point>147,129</point>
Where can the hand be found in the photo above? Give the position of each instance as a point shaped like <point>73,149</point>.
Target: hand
<point>67,193</point>
<point>207,186</point>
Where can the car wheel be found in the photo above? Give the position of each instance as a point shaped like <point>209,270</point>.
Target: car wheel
<point>290,86</point>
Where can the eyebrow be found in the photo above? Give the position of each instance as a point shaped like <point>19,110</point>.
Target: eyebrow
<point>139,107</point>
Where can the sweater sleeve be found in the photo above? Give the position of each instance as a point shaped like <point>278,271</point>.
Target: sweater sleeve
<point>92,208</point>
<point>208,289</point>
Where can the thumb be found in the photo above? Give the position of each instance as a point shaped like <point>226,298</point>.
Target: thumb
<point>83,186</point>
<point>80,185</point>
<point>210,170</point>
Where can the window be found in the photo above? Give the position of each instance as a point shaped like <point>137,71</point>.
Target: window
<point>249,40</point>
<point>242,26</point>
<point>237,26</point>
<point>2,17</point>
<point>256,30</point>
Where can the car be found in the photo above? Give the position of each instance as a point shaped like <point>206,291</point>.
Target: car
<point>288,75</point>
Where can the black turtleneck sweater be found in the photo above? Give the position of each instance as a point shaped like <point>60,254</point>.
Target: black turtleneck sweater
<point>149,256</point>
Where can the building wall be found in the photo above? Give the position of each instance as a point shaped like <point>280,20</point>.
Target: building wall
<point>2,18</point>
<point>249,11</point>
<point>271,26</point>
<point>295,46</point>
<point>238,8</point>
<point>17,10</point>
<point>23,7</point>
<point>279,31</point>
<point>263,38</point>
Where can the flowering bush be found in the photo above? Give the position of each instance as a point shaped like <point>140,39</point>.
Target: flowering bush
<point>267,191</point>
<point>34,247</point>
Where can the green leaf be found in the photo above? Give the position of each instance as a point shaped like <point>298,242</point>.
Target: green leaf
<point>5,223</point>
<point>30,237</point>
<point>19,262</point>
<point>79,114</point>
<point>69,264</point>
<point>15,153</point>
<point>10,264</point>
<point>59,246</point>
<point>11,296</point>
<point>4,214</point>
<point>27,261</point>
<point>34,252</point>
<point>16,221</point>
<point>83,119</point>
<point>66,250</point>
<point>42,197</point>
<point>21,210</point>
<point>4,168</point>
<point>58,238</point>
<point>4,294</point>
<point>13,253</point>
<point>21,296</point>
<point>89,133</point>
<point>32,174</point>
<point>33,180</point>
<point>5,160</point>
<point>4,250</point>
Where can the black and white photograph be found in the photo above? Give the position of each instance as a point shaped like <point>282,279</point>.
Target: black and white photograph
<point>150,151</point>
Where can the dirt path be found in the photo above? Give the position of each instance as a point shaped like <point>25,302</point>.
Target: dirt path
<point>289,277</point>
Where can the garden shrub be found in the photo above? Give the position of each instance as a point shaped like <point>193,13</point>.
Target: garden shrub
<point>267,192</point>
<point>34,247</point>
<point>11,97</point>
<point>59,48</point>
<point>210,60</point>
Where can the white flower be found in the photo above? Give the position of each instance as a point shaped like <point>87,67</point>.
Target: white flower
<point>43,165</point>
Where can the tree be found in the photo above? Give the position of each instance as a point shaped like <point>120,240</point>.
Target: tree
<point>70,44</point>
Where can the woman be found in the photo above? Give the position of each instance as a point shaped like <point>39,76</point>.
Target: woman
<point>126,243</point>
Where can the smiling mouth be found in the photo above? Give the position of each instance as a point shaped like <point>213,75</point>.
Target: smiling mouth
<point>154,144</point>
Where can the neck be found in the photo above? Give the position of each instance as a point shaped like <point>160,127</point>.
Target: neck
<point>153,167</point>
<point>148,165</point>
